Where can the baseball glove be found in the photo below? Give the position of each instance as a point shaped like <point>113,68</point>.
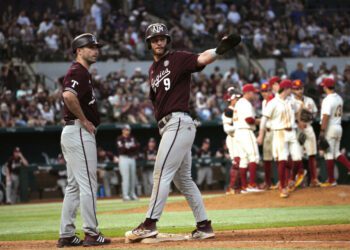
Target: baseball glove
<point>323,143</point>
<point>301,138</point>
<point>227,43</point>
<point>306,115</point>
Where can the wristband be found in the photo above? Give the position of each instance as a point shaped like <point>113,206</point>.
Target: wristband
<point>213,53</point>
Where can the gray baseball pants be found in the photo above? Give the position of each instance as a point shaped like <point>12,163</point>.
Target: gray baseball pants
<point>127,168</point>
<point>173,163</point>
<point>79,151</point>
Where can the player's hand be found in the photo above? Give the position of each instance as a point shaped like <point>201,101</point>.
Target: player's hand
<point>260,139</point>
<point>89,126</point>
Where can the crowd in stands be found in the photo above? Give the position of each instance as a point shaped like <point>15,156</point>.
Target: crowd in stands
<point>290,28</point>
<point>123,98</point>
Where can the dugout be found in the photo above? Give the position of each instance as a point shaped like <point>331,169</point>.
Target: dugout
<point>38,140</point>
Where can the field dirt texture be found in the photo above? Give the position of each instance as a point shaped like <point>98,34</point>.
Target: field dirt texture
<point>309,237</point>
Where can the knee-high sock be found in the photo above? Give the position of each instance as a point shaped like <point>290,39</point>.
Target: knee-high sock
<point>343,160</point>
<point>330,170</point>
<point>282,173</point>
<point>252,166</point>
<point>268,171</point>
<point>243,174</point>
<point>233,175</point>
<point>298,166</point>
<point>289,173</point>
<point>312,167</point>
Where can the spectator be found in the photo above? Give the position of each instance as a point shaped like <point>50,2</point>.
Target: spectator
<point>23,19</point>
<point>45,25</point>
<point>299,73</point>
<point>13,168</point>
<point>96,13</point>
<point>233,15</point>
<point>47,114</point>
<point>127,148</point>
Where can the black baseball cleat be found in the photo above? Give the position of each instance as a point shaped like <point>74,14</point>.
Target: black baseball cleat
<point>95,240</point>
<point>73,241</point>
<point>142,232</point>
<point>203,231</point>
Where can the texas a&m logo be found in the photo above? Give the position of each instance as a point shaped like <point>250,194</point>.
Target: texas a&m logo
<point>156,28</point>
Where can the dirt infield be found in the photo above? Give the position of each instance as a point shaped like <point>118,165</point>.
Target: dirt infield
<point>311,237</point>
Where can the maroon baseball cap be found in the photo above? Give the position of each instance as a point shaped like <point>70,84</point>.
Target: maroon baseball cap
<point>286,84</point>
<point>273,80</point>
<point>328,82</point>
<point>297,84</point>
<point>249,88</point>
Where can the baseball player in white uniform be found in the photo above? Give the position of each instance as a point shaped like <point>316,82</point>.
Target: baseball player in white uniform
<point>231,143</point>
<point>265,91</point>
<point>331,130</point>
<point>284,142</point>
<point>309,147</point>
<point>244,123</point>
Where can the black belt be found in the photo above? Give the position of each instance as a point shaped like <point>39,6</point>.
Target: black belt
<point>68,123</point>
<point>162,122</point>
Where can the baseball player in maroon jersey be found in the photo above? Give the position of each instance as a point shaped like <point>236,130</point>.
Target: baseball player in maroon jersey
<point>170,80</point>
<point>128,149</point>
<point>79,146</point>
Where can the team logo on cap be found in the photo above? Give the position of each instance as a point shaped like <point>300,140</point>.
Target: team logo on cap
<point>156,28</point>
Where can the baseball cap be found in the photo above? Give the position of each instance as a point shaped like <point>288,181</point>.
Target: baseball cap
<point>273,80</point>
<point>328,82</point>
<point>264,87</point>
<point>286,84</point>
<point>16,149</point>
<point>249,88</point>
<point>309,65</point>
<point>126,126</point>
<point>206,140</point>
<point>297,84</point>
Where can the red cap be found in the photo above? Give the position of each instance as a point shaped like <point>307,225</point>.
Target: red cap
<point>328,82</point>
<point>297,84</point>
<point>273,80</point>
<point>265,86</point>
<point>286,84</point>
<point>249,88</point>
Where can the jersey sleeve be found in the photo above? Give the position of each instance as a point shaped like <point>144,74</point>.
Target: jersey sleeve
<point>189,61</point>
<point>326,107</point>
<point>76,83</point>
<point>268,110</point>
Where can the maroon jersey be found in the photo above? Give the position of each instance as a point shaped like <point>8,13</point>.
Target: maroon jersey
<point>170,80</point>
<point>127,145</point>
<point>78,81</point>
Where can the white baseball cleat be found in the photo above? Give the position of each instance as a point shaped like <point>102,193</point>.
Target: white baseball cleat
<point>141,232</point>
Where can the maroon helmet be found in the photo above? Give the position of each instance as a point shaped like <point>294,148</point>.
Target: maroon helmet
<point>156,29</point>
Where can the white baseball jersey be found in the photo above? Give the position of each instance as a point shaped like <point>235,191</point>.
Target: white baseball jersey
<point>309,146</point>
<point>242,110</point>
<point>263,107</point>
<point>229,130</point>
<point>280,113</point>
<point>332,105</point>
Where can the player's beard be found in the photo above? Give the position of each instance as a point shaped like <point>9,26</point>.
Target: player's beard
<point>90,60</point>
<point>159,52</point>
